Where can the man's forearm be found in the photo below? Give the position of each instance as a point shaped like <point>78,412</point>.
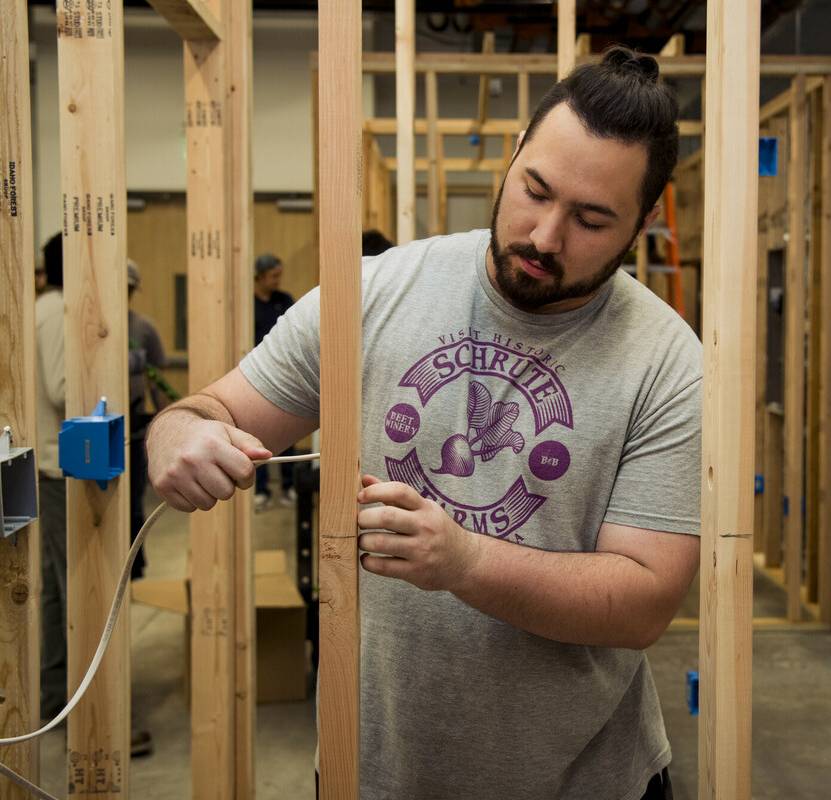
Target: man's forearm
<point>201,405</point>
<point>601,599</point>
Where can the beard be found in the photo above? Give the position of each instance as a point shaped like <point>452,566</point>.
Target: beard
<point>530,294</point>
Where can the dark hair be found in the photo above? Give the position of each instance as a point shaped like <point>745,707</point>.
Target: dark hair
<point>53,260</point>
<point>373,243</point>
<point>621,98</point>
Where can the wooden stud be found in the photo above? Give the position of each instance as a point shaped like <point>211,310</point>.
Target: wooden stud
<point>761,389</point>
<point>795,345</point>
<point>774,449</point>
<point>824,554</point>
<point>405,114</point>
<point>20,553</point>
<point>240,105</point>
<point>729,262</point>
<point>433,216</point>
<point>193,20</point>
<point>674,47</point>
<point>442,176</point>
<point>583,45</point>
<point>522,100</point>
<point>538,64</point>
<point>566,37</point>
<point>91,98</point>
<point>488,48</point>
<point>812,422</point>
<point>642,267</point>
<point>211,353</point>
<point>340,393</point>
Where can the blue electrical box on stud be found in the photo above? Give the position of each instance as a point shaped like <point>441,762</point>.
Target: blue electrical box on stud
<point>768,156</point>
<point>692,691</point>
<point>92,448</point>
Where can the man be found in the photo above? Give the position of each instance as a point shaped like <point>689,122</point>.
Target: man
<point>533,415</point>
<point>270,303</point>
<point>51,483</point>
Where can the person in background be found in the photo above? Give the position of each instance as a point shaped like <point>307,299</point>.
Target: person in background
<point>373,243</point>
<point>146,356</point>
<point>50,413</point>
<point>270,303</point>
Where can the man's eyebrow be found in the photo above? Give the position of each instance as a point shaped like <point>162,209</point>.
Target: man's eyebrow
<point>597,208</point>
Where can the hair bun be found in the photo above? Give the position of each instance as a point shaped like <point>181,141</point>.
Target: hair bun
<point>622,59</point>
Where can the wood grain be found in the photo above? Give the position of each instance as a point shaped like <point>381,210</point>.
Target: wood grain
<point>19,554</point>
<point>91,97</point>
<point>795,345</point>
<point>773,457</point>
<point>193,20</point>
<point>340,378</point>
<point>433,202</point>
<point>566,37</point>
<point>728,332</point>
<point>404,115</point>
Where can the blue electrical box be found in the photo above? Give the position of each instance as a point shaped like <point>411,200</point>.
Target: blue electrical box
<point>92,448</point>
<point>768,156</point>
<point>692,691</point>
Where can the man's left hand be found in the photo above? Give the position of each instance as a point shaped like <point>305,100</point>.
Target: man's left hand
<point>412,538</point>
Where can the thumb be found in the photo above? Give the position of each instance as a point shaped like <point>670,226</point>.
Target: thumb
<point>250,445</point>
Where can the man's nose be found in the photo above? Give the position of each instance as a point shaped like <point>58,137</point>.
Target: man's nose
<point>549,234</point>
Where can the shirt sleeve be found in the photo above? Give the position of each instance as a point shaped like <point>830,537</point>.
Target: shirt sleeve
<point>658,483</point>
<point>50,341</point>
<point>285,366</point>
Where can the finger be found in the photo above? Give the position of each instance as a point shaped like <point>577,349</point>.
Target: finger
<point>386,544</point>
<point>387,518</point>
<point>196,495</point>
<point>392,493</point>
<point>248,444</point>
<point>216,483</point>
<point>386,566</point>
<point>369,480</point>
<point>235,463</point>
<point>175,500</point>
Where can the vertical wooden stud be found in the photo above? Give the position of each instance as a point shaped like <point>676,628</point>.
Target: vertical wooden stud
<point>761,388</point>
<point>405,117</point>
<point>340,392</point>
<point>795,347</point>
<point>211,351</point>
<point>488,47</point>
<point>433,215</point>
<point>824,552</point>
<point>774,446</point>
<point>522,100</point>
<point>812,422</point>
<point>239,103</point>
<point>20,553</point>
<point>566,37</point>
<point>94,197</point>
<point>728,333</point>
<point>642,266</point>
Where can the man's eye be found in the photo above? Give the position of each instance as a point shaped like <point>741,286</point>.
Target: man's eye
<point>537,198</point>
<point>587,225</point>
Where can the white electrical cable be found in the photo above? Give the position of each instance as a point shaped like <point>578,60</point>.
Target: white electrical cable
<point>115,608</point>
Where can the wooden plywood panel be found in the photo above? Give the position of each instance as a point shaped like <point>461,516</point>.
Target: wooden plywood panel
<point>19,554</point>
<point>91,97</point>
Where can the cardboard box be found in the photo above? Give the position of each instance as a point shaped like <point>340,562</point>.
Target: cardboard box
<point>280,622</point>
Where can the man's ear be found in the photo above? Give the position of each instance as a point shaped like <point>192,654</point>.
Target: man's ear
<point>518,144</point>
<point>650,218</point>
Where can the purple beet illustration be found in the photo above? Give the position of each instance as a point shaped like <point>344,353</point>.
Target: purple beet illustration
<point>490,426</point>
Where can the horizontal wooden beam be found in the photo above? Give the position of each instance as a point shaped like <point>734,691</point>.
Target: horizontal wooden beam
<point>384,126</point>
<point>515,63</point>
<point>193,20</point>
<point>782,102</point>
<point>759,624</point>
<point>454,164</point>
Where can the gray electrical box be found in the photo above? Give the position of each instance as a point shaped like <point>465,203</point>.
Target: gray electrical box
<point>18,489</point>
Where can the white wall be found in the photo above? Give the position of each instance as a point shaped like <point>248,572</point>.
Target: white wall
<point>154,103</point>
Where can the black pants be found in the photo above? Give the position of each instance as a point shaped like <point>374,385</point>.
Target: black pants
<point>138,485</point>
<point>659,788</point>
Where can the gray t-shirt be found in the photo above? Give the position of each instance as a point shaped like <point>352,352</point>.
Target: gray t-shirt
<point>535,429</point>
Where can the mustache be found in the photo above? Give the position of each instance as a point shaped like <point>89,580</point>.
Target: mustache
<point>530,253</point>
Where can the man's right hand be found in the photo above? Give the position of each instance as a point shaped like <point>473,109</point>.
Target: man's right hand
<point>193,462</point>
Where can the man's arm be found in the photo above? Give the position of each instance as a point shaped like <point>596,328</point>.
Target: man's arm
<point>200,449</point>
<point>623,595</point>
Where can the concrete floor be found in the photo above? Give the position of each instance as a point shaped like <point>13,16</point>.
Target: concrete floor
<point>791,698</point>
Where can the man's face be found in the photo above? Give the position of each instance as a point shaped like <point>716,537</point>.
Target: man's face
<point>566,215</point>
<point>270,280</point>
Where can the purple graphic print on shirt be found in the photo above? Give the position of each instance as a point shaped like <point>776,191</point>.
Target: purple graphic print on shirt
<point>493,432</point>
